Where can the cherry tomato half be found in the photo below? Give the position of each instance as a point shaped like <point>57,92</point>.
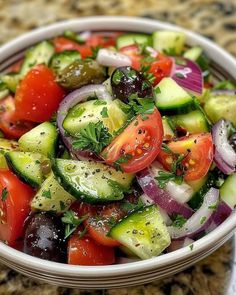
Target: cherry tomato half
<point>9,124</point>
<point>14,206</point>
<point>198,149</point>
<point>138,145</point>
<point>38,95</point>
<point>85,251</point>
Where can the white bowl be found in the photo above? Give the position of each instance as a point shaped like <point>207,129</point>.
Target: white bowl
<point>117,276</point>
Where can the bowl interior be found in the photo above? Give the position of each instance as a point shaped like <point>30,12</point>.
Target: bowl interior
<point>223,66</point>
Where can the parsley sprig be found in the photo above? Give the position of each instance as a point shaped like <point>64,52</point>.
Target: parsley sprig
<point>4,194</point>
<point>178,220</point>
<point>93,137</point>
<point>72,221</point>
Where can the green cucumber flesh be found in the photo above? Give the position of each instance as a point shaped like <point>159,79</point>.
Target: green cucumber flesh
<point>170,96</point>
<point>90,111</point>
<point>27,166</point>
<point>228,191</point>
<point>7,145</point>
<point>129,39</point>
<point>41,139</point>
<point>61,60</point>
<point>11,81</point>
<point>92,182</point>
<point>193,122</point>
<point>193,53</point>
<point>52,197</point>
<point>169,42</point>
<point>143,232</point>
<point>39,54</point>
<point>168,132</point>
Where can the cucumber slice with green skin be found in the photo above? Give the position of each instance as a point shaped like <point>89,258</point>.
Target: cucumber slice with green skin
<point>27,166</point>
<point>221,106</point>
<point>3,162</point>
<point>61,60</point>
<point>39,54</point>
<point>91,112</point>
<point>169,42</point>
<point>52,197</point>
<point>193,122</point>
<point>41,139</point>
<point>129,39</point>
<point>193,53</point>
<point>228,191</point>
<point>92,182</point>
<point>167,127</point>
<point>11,81</point>
<point>7,145</point>
<point>144,232</point>
<point>169,96</point>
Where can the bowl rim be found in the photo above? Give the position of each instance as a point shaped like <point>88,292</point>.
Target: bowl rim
<point>122,23</point>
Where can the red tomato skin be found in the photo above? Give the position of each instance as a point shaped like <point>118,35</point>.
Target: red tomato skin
<point>9,124</point>
<point>128,138</point>
<point>38,95</point>
<point>85,251</point>
<point>161,68</point>
<point>133,52</point>
<point>199,159</point>
<point>15,208</point>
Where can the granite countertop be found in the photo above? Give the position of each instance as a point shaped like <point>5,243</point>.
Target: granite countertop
<point>214,19</point>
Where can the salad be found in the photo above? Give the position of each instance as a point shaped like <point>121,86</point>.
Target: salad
<point>114,147</point>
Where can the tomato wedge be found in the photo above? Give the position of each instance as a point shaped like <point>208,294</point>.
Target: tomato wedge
<point>198,149</point>
<point>9,124</point>
<point>14,206</point>
<point>85,251</point>
<point>160,66</point>
<point>138,145</point>
<point>38,95</point>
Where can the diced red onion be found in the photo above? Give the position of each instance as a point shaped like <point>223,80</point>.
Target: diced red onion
<point>188,75</point>
<point>85,35</point>
<point>72,99</point>
<point>178,244</point>
<point>200,220</point>
<point>222,213</point>
<point>110,58</point>
<point>148,201</point>
<point>160,196</point>
<point>225,156</point>
<point>153,53</point>
<point>182,193</point>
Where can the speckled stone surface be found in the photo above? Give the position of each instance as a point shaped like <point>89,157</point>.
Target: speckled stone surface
<point>214,19</point>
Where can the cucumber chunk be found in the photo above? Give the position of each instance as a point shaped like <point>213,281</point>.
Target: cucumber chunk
<point>221,106</point>
<point>193,53</point>
<point>193,122</point>
<point>11,81</point>
<point>61,60</point>
<point>129,39</point>
<point>228,191</point>
<point>169,42</point>
<point>39,54</point>
<point>143,232</point>
<point>52,197</point>
<point>6,145</point>
<point>92,111</point>
<point>41,139</point>
<point>168,132</point>
<point>92,182</point>
<point>27,166</point>
<point>170,96</point>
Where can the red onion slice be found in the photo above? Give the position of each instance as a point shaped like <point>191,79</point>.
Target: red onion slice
<point>72,99</point>
<point>188,75</point>
<point>110,58</point>
<point>182,193</point>
<point>222,213</point>
<point>200,220</point>
<point>178,244</point>
<point>160,196</point>
<point>225,156</point>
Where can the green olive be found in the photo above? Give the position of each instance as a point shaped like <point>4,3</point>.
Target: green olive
<point>80,73</point>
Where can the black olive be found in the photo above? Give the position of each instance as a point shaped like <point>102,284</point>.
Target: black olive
<point>232,141</point>
<point>126,81</point>
<point>44,237</point>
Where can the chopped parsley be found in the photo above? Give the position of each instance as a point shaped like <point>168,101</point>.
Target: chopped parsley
<point>179,75</point>
<point>178,220</point>
<point>132,207</point>
<point>62,205</point>
<point>117,76</point>
<point>83,233</point>
<point>71,221</point>
<point>142,106</point>
<point>147,75</point>
<point>93,137</point>
<point>47,194</point>
<point>4,194</point>
<point>104,112</point>
<point>123,159</point>
<point>191,247</point>
<point>157,90</point>
<point>213,207</point>
<point>99,102</point>
<point>203,219</point>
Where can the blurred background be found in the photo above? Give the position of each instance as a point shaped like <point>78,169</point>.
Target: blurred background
<point>214,19</point>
